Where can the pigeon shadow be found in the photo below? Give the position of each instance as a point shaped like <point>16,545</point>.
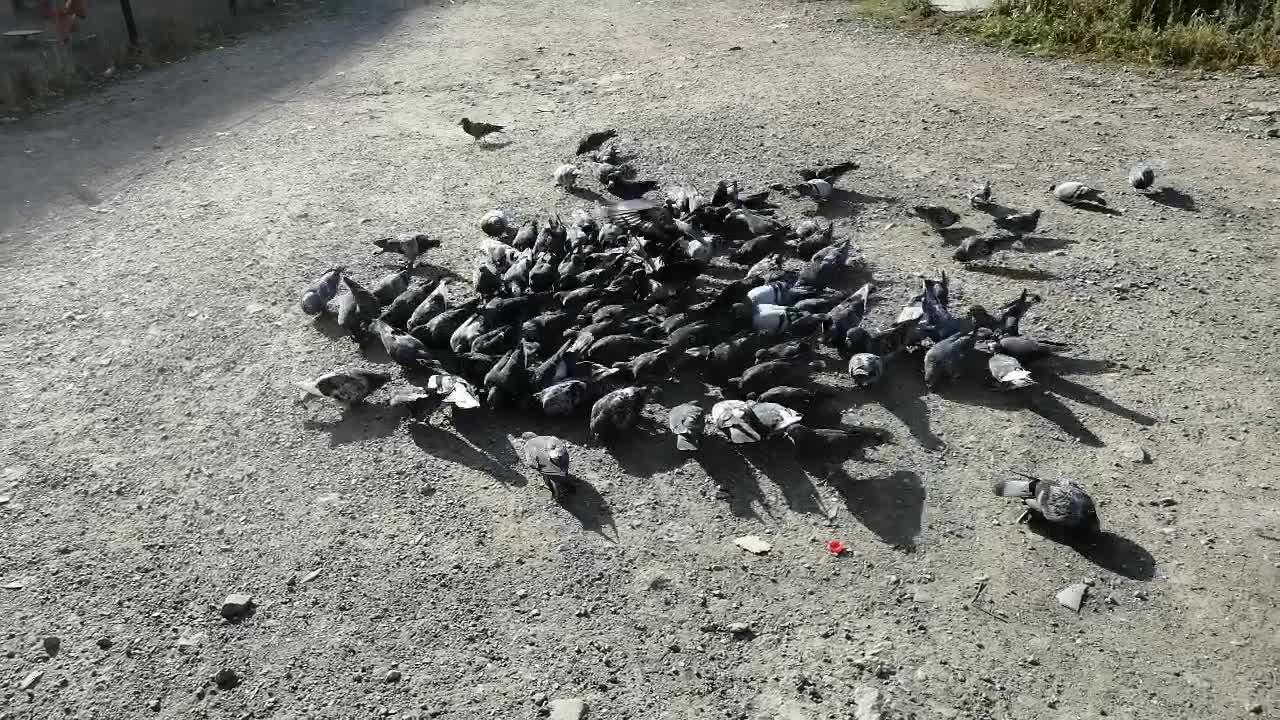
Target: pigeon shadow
<point>1063,365</point>
<point>792,479</point>
<point>646,451</point>
<point>1174,198</point>
<point>490,145</point>
<point>845,203</point>
<point>447,446</point>
<point>1012,273</point>
<point>1042,244</point>
<point>1094,207</point>
<point>438,272</point>
<point>1044,404</point>
<point>731,474</point>
<point>1055,411</point>
<point>902,391</point>
<point>1107,550</point>
<point>890,506</point>
<point>588,195</point>
<point>1088,396</point>
<point>956,235</point>
<point>328,326</point>
<point>360,422</point>
<point>589,508</point>
<point>997,210</point>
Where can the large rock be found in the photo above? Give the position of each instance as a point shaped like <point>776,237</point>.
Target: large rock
<point>568,709</point>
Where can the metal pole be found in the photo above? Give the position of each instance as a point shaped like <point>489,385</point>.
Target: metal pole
<point>126,9</point>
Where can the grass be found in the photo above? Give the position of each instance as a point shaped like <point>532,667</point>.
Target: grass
<point>1198,33</point>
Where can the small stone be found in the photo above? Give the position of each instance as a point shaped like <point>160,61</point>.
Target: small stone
<point>1256,708</point>
<point>539,698</point>
<point>1166,502</point>
<point>392,676</point>
<point>1071,596</point>
<point>52,645</point>
<point>1134,453</point>
<point>226,678</point>
<point>30,681</point>
<point>155,705</point>
<point>568,709</point>
<point>236,605</point>
<point>753,544</point>
<point>866,702</point>
<point>1273,132</point>
<point>188,643</point>
<point>311,575</point>
<point>104,643</point>
<point>740,628</point>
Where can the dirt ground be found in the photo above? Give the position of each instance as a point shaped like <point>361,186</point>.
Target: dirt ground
<point>156,236</point>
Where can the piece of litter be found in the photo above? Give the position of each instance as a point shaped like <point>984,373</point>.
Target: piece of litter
<point>835,547</point>
<point>311,575</point>
<point>753,544</point>
<point>15,585</point>
<point>1071,596</point>
<point>30,681</point>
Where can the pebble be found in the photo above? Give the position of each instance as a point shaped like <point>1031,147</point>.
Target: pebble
<point>311,575</point>
<point>1072,596</point>
<point>753,544</point>
<point>1256,708</point>
<point>539,698</point>
<point>1134,453</point>
<point>190,642</point>
<point>739,628</point>
<point>52,644</point>
<point>104,643</point>
<point>236,605</point>
<point>568,709</point>
<point>226,678</point>
<point>392,676</point>
<point>866,702</point>
<point>30,681</point>
<point>155,705</point>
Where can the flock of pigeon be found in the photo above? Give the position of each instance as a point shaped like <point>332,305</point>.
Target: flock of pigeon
<point>587,316</point>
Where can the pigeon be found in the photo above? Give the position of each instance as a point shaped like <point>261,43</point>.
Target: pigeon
<point>616,413</point>
<point>466,333</point>
<point>357,307</point>
<point>619,348</point>
<point>818,189</point>
<point>389,286</point>
<point>1072,192</point>
<point>1142,177</point>
<point>655,364</point>
<point>547,454</point>
<point>829,447</point>
<point>1008,372</point>
<point>865,369</point>
<point>977,247</point>
<point>563,398</point>
<point>762,376</point>
<point>495,223</point>
<point>847,315</point>
<point>735,419</point>
<point>937,216</point>
<point>774,417</point>
<point>595,140</point>
<point>792,397</point>
<point>421,402</point>
<point>479,130</point>
<point>830,173</point>
<point>318,295</point>
<point>507,380</point>
<point>1020,222</point>
<point>944,358</point>
<point>454,390</point>
<point>1025,348</point>
<point>402,348</point>
<point>980,195</point>
<point>822,268</point>
<point>566,176</point>
<point>402,307</point>
<point>1010,316</point>
<point>1064,503</point>
<point>687,422</point>
<point>437,331</point>
<point>433,305</point>
<point>410,245</point>
<point>347,386</point>
<point>629,189</point>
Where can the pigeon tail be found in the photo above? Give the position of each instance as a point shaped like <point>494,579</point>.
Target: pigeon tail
<point>1014,488</point>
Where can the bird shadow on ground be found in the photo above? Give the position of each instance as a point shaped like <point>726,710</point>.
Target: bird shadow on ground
<point>890,506</point>
<point>361,422</point>
<point>902,391</point>
<point>956,235</point>
<point>459,450</point>
<point>1012,273</point>
<point>1044,404</point>
<point>1088,396</point>
<point>1043,244</point>
<point>589,508</point>
<point>438,272</point>
<point>797,487</point>
<point>328,326</point>
<point>731,473</point>
<point>1063,365</point>
<point>845,203</point>
<point>588,195</point>
<point>1096,208</point>
<point>645,451</point>
<point>997,210</point>
<point>1107,550</point>
<point>1174,198</point>
<point>490,145</point>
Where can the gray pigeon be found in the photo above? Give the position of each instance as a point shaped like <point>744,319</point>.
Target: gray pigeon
<point>1072,192</point>
<point>735,419</point>
<point>944,359</point>
<point>1061,502</point>
<point>495,223</point>
<point>1025,348</point>
<point>687,422</point>
<point>865,369</point>
<point>1008,372</point>
<point>976,247</point>
<point>321,292</point>
<point>937,216</point>
<point>562,398</point>
<point>433,305</point>
<point>402,348</point>
<point>389,286</point>
<point>347,386</point>
<point>1020,222</point>
<point>357,307</point>
<point>400,309</point>
<point>773,417</point>
<point>410,245</point>
<point>616,413</point>
<point>1142,177</point>
<point>547,454</point>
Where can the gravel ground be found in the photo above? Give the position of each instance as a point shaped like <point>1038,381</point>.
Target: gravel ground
<point>156,236</point>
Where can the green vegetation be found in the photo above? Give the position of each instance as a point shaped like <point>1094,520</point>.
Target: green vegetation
<point>1201,33</point>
